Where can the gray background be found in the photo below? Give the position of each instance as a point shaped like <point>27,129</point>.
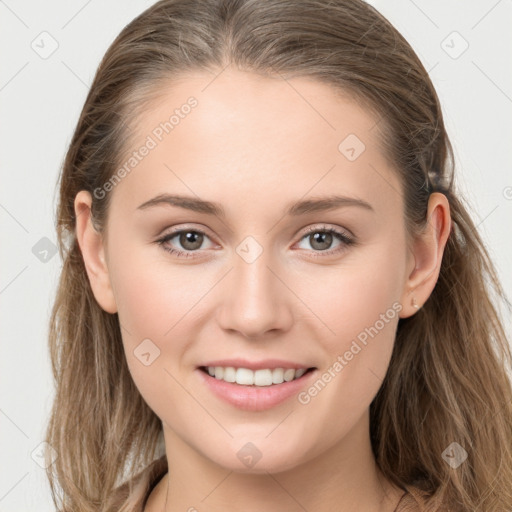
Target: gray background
<point>41,97</point>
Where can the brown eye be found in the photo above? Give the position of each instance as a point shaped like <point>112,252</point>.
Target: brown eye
<point>321,240</point>
<point>191,240</point>
<point>185,243</point>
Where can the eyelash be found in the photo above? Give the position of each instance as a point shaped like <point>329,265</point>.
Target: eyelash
<point>342,237</point>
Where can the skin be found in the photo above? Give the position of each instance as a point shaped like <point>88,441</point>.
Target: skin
<point>254,145</point>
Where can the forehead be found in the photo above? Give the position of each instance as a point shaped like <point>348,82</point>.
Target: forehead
<point>238,135</point>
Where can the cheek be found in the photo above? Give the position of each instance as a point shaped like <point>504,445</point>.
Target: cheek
<point>152,294</point>
<point>149,302</point>
<point>362,316</point>
<point>360,305</point>
<point>352,296</point>
<point>355,303</point>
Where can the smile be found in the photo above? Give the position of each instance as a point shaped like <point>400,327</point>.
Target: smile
<point>255,390</point>
<point>248,377</point>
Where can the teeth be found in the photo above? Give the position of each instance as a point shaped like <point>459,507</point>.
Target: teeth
<point>289,374</point>
<point>247,377</point>
<point>244,376</point>
<point>277,376</point>
<point>300,372</point>
<point>229,374</point>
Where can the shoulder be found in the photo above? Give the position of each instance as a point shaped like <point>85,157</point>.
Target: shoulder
<point>418,500</point>
<point>131,496</point>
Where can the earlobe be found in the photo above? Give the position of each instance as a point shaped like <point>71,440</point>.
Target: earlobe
<point>427,254</point>
<point>93,253</point>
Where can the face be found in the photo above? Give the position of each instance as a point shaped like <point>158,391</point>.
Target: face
<point>266,274</point>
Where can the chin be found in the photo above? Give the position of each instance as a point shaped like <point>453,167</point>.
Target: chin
<point>257,457</point>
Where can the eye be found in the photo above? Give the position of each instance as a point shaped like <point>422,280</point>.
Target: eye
<point>321,238</point>
<point>190,240</point>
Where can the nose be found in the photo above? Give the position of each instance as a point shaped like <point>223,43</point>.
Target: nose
<point>255,300</point>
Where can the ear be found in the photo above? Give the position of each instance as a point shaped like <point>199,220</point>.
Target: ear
<point>93,253</point>
<point>426,254</point>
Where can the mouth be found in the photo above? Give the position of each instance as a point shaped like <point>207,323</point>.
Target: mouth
<point>255,390</point>
<point>264,377</point>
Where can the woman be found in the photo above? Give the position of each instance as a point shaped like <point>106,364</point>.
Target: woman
<point>270,284</point>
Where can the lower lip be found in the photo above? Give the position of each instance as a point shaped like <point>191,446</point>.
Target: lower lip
<point>255,398</point>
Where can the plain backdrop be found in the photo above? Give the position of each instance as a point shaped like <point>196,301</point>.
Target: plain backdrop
<point>50,51</point>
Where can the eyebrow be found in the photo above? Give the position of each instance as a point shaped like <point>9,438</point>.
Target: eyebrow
<point>303,207</point>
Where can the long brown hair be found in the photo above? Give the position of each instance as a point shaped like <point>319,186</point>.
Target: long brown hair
<point>447,380</point>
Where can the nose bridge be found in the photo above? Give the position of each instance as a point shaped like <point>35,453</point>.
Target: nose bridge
<point>255,301</point>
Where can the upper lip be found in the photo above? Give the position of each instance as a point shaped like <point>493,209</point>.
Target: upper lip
<point>257,365</point>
